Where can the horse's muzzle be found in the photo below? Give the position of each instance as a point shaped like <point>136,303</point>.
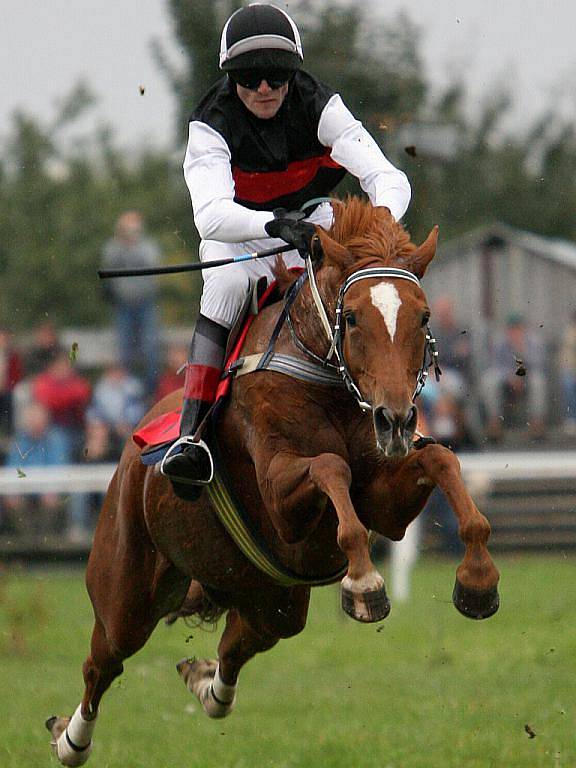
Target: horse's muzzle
<point>394,432</point>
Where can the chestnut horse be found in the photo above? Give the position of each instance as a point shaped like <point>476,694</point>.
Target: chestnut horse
<point>315,472</point>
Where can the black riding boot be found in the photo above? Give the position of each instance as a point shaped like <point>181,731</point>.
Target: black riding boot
<point>188,463</point>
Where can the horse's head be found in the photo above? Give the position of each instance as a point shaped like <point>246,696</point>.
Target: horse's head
<point>370,279</point>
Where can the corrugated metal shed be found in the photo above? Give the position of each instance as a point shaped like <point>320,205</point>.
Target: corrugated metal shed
<point>497,270</point>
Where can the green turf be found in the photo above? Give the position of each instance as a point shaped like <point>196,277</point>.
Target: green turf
<point>426,688</point>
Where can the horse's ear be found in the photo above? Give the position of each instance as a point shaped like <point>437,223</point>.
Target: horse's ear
<point>332,252</point>
<point>316,250</point>
<point>418,260</point>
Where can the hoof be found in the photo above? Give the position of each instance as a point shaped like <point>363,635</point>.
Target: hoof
<point>198,676</point>
<point>66,753</point>
<point>474,604</point>
<point>51,722</point>
<point>372,605</point>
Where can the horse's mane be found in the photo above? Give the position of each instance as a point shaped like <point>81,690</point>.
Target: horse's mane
<point>365,234</point>
<point>368,233</point>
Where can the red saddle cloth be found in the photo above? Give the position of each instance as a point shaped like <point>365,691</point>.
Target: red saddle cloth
<point>166,428</point>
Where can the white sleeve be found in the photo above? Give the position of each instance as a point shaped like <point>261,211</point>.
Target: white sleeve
<point>354,149</point>
<point>208,174</point>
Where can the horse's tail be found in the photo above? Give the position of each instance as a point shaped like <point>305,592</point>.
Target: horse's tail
<point>199,609</point>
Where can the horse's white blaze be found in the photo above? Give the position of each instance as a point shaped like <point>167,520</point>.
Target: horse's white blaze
<point>387,301</point>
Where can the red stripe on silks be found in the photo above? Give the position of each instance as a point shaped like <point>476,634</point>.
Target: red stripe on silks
<point>201,382</point>
<point>259,187</point>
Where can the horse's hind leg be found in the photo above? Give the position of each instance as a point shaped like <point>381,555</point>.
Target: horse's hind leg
<point>214,682</point>
<point>131,587</point>
<point>129,621</point>
<point>72,737</point>
<point>247,633</point>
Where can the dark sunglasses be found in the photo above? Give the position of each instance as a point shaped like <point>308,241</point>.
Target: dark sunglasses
<point>251,78</point>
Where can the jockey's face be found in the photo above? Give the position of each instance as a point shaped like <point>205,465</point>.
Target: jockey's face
<point>264,102</point>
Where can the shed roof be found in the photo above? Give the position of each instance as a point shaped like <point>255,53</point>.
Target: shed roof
<point>554,249</point>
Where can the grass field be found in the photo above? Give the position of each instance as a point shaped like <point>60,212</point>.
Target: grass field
<point>427,688</point>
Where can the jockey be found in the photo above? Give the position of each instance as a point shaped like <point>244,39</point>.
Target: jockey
<point>266,138</point>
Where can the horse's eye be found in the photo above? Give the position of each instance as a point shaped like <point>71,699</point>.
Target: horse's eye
<point>425,319</point>
<point>350,318</point>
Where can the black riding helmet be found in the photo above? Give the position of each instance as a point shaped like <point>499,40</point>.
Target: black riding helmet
<point>260,37</point>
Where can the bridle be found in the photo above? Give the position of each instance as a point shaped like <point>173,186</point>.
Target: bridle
<point>335,336</point>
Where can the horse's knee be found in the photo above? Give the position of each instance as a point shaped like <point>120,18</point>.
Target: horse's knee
<point>291,624</point>
<point>476,530</point>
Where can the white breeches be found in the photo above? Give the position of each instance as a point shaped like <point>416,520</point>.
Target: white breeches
<point>225,288</point>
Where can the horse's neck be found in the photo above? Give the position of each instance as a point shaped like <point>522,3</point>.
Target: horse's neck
<point>307,323</point>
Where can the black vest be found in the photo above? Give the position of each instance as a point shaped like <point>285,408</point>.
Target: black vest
<point>277,162</point>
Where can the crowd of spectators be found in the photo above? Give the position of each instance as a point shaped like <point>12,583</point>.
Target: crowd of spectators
<point>53,411</point>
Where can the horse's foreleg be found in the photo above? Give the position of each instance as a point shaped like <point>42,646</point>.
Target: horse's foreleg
<point>476,591</point>
<point>297,481</point>
<point>363,591</point>
<point>248,631</point>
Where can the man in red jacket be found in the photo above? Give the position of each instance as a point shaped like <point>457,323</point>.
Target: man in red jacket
<point>65,394</point>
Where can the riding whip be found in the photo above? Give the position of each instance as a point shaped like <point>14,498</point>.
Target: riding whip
<point>141,271</point>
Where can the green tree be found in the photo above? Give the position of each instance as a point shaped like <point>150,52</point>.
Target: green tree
<point>57,207</point>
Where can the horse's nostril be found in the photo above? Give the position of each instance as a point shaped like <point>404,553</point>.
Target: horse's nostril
<point>383,420</point>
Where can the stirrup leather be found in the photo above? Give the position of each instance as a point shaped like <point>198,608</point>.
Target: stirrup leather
<point>179,447</point>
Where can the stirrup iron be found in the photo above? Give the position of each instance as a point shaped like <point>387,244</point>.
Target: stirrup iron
<point>179,447</point>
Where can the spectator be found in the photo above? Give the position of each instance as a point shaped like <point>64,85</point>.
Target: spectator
<point>446,420</point>
<point>172,377</point>
<point>134,299</point>
<point>98,446</point>
<point>44,347</point>
<point>515,378</point>
<point>10,375</point>
<point>65,394</point>
<point>454,345</point>
<point>36,444</point>
<point>568,375</point>
<point>84,507</point>
<point>118,403</point>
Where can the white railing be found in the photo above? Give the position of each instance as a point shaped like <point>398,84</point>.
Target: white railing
<point>480,471</point>
<point>477,468</point>
<point>69,478</point>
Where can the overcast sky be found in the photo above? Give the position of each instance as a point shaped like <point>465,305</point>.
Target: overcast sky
<point>45,47</point>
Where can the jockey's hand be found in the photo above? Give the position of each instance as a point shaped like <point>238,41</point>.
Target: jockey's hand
<point>288,226</point>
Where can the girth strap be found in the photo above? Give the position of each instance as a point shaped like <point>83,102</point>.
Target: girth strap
<point>303,370</point>
<point>240,526</point>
